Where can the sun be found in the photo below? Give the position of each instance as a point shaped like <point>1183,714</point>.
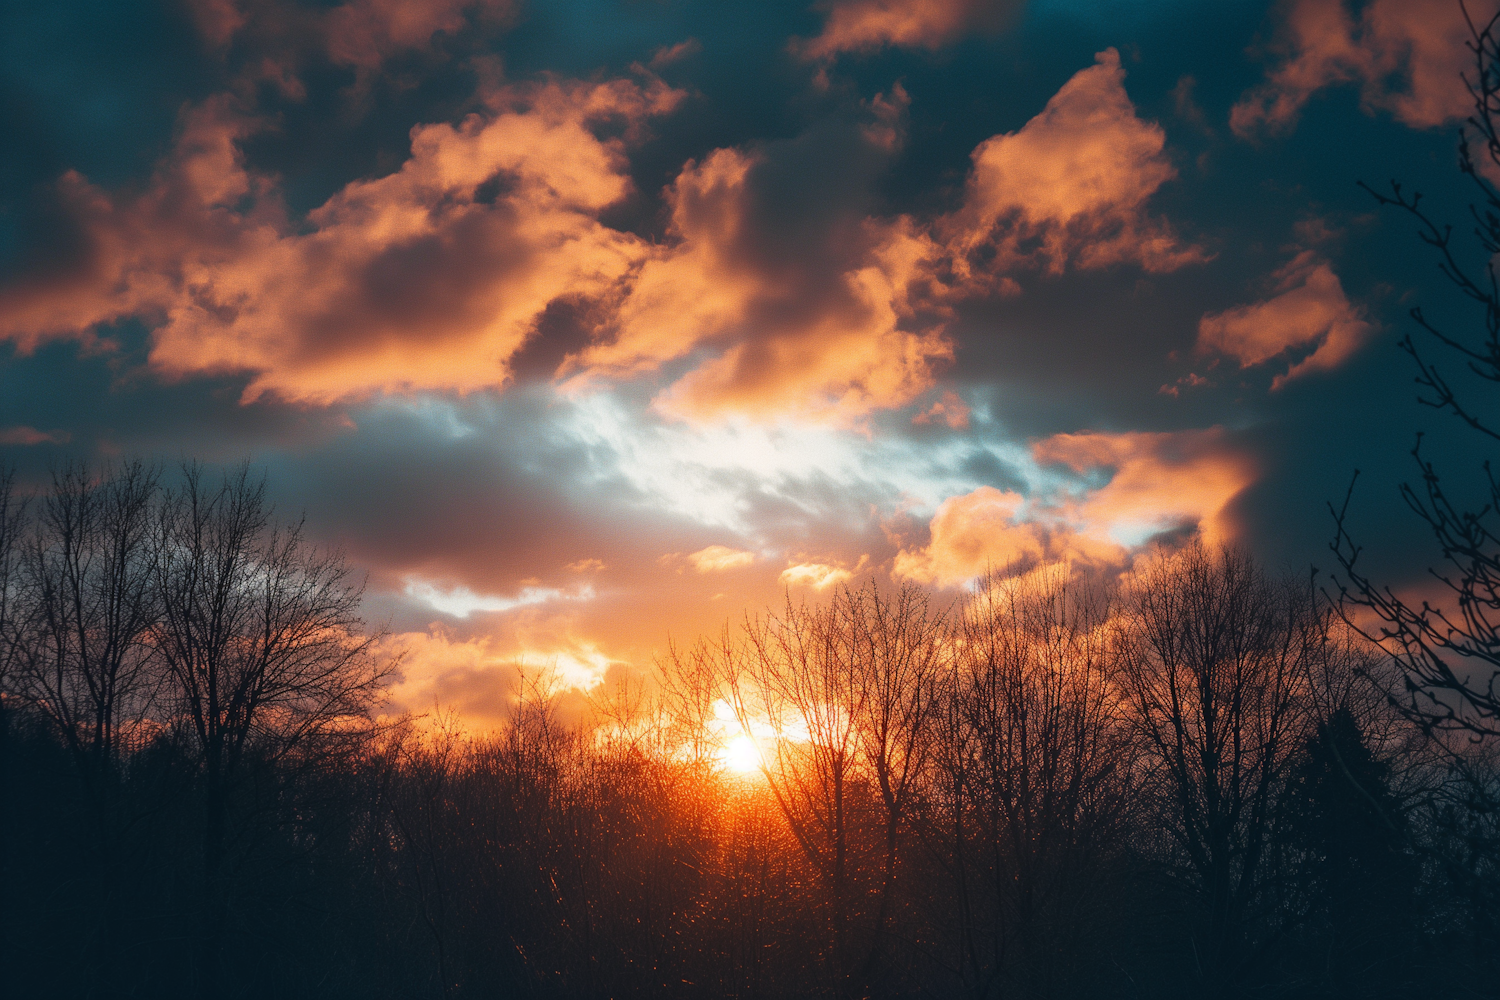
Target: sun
<point>741,755</point>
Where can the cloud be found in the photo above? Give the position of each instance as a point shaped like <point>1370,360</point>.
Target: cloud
<point>430,277</point>
<point>26,436</point>
<point>972,534</point>
<point>777,293</point>
<point>866,25</point>
<point>717,558</point>
<point>360,33</point>
<point>1155,483</point>
<point>1068,189</point>
<point>1406,56</point>
<point>1309,308</point>
<point>793,305</point>
<point>669,54</point>
<point>818,576</point>
<point>364,33</point>
<point>437,671</point>
<point>460,602</point>
<point>478,680</point>
<point>950,410</point>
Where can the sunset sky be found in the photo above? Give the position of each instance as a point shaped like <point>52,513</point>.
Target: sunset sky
<point>589,324</point>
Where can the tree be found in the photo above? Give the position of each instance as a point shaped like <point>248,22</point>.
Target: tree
<point>1448,651</point>
<point>849,688</point>
<point>86,605</point>
<point>1444,650</point>
<point>12,524</point>
<point>89,605</point>
<point>264,654</point>
<point>1356,868</point>
<point>1212,657</point>
<point>1037,778</point>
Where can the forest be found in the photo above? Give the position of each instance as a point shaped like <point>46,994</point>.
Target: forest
<point>1194,779</point>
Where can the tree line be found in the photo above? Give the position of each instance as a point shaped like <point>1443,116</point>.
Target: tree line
<point>1195,780</point>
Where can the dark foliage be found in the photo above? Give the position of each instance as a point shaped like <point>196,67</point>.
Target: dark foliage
<point>992,805</point>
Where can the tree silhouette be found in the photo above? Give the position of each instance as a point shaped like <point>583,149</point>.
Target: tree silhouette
<point>1212,655</point>
<point>1357,869</point>
<point>1448,650</point>
<point>264,654</point>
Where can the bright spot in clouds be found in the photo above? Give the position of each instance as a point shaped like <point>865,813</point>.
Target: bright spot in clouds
<point>819,576</point>
<point>716,558</point>
<point>461,602</point>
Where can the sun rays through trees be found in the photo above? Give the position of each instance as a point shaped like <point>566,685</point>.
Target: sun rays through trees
<point>1179,782</point>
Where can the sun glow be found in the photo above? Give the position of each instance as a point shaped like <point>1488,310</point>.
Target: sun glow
<point>739,750</point>
<point>741,755</point>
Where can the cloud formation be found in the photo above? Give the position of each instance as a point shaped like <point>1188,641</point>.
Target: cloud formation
<point>972,534</point>
<point>1069,189</point>
<point>950,410</point>
<point>818,575</point>
<point>1156,482</point>
<point>818,321</point>
<point>1405,55</point>
<point>866,25</point>
<point>770,298</point>
<point>1308,309</point>
<point>359,33</point>
<point>26,436</point>
<point>853,319</point>
<point>478,682</point>
<point>717,558</point>
<point>427,278</point>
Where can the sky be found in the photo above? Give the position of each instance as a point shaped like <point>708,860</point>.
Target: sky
<point>585,327</point>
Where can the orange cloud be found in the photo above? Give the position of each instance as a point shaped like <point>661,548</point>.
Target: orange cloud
<point>972,534</point>
<point>1406,55</point>
<point>427,278</point>
<point>432,277</point>
<point>359,33</point>
<point>1309,308</point>
<point>866,25</point>
<point>27,436</point>
<point>471,678</point>
<point>837,331</point>
<point>951,410</point>
<point>479,682</point>
<point>717,558</point>
<point>1069,187</point>
<point>364,33</point>
<point>1157,482</point>
<point>130,253</point>
<point>669,54</point>
<point>789,343</point>
<point>819,575</point>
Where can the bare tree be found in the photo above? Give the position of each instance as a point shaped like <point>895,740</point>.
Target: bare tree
<point>849,688</point>
<point>12,527</point>
<point>264,652</point>
<point>798,678</point>
<point>90,603</point>
<point>900,667</point>
<point>1038,778</point>
<point>85,604</point>
<point>1212,658</point>
<point>1448,649</point>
